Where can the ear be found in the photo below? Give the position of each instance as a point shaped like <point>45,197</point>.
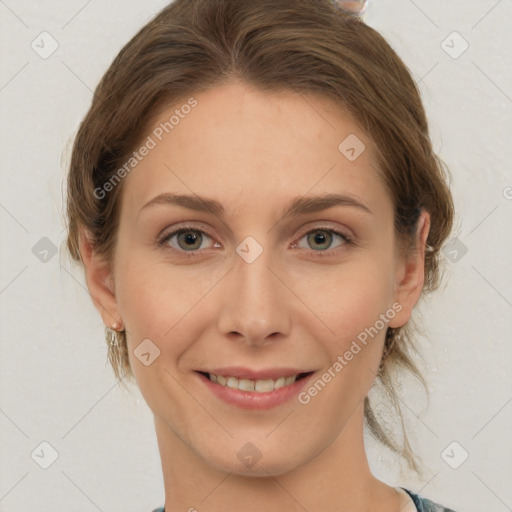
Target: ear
<point>100,282</point>
<point>410,274</point>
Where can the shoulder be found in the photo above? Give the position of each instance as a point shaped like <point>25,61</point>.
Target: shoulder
<point>424,505</point>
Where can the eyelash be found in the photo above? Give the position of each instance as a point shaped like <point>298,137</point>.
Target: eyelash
<point>163,241</point>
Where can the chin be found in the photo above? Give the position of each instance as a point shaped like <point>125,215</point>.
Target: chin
<point>254,456</point>
<point>267,465</point>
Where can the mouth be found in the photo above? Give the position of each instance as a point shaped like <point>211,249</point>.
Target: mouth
<point>254,385</point>
<point>255,390</point>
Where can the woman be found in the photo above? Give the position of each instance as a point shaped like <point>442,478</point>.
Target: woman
<point>256,203</point>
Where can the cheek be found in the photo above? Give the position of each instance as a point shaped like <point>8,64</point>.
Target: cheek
<point>346,299</point>
<point>356,306</point>
<point>162,302</point>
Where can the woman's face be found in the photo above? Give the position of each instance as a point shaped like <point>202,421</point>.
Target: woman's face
<point>269,282</point>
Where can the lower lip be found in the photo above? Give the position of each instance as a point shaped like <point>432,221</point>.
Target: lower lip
<point>254,400</point>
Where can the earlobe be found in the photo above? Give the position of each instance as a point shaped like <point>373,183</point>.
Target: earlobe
<point>410,274</point>
<point>99,278</point>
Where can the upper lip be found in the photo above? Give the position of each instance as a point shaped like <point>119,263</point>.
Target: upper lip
<point>247,373</point>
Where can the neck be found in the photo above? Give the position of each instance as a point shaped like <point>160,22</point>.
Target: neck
<point>338,478</point>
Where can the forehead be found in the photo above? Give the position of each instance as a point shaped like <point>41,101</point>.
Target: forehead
<point>245,147</point>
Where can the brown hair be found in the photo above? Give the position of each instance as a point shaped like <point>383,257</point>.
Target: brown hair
<point>302,46</point>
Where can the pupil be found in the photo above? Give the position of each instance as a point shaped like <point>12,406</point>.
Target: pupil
<point>190,238</point>
<point>322,238</point>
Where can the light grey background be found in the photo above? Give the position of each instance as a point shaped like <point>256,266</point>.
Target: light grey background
<point>55,386</point>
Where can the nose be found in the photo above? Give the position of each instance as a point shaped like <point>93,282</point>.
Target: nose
<point>255,302</point>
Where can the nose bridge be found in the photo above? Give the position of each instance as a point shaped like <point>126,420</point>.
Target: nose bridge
<point>255,302</point>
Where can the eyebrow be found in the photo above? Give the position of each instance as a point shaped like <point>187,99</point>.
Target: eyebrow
<point>298,206</point>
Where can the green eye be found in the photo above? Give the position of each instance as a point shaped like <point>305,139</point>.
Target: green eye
<point>322,240</point>
<point>185,239</point>
<point>189,241</point>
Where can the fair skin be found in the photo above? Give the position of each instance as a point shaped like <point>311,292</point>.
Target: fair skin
<point>255,152</point>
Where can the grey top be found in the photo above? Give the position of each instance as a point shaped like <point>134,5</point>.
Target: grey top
<point>422,504</point>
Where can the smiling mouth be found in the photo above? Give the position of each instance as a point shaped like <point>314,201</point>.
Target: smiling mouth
<point>256,386</point>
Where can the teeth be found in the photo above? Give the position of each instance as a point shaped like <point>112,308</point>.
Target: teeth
<point>280,383</point>
<point>259,386</point>
<point>264,386</point>
<point>232,382</point>
<point>245,384</point>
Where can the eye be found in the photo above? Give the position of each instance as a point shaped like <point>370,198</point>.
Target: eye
<point>190,240</point>
<point>322,240</point>
<point>185,239</point>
